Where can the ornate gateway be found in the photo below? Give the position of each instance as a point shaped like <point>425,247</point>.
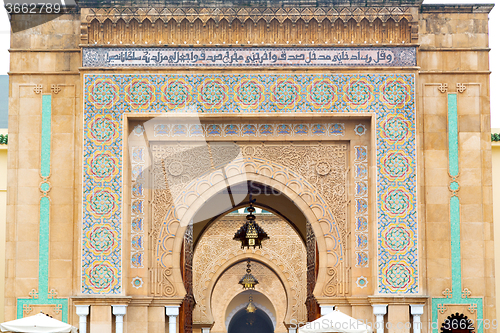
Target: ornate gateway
<point>161,119</point>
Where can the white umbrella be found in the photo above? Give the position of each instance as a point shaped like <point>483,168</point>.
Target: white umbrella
<point>37,323</point>
<point>336,321</point>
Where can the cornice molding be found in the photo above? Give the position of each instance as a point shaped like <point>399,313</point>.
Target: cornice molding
<point>456,8</point>
<point>242,3</point>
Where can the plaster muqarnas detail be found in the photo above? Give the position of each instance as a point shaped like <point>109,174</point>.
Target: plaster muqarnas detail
<point>389,97</point>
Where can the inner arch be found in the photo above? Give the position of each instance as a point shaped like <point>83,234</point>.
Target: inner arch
<point>267,198</point>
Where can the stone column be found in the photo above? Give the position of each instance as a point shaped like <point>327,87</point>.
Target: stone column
<point>156,319</point>
<point>100,318</point>
<point>119,311</point>
<point>416,311</point>
<point>82,311</point>
<point>399,318</point>
<point>205,330</point>
<point>292,330</point>
<point>172,311</point>
<point>326,309</point>
<point>379,310</point>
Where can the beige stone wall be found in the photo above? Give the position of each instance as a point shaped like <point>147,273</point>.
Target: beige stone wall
<point>454,59</point>
<point>3,206</point>
<point>495,152</point>
<point>44,56</point>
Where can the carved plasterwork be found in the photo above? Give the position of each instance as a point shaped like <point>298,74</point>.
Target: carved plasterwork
<point>242,14</point>
<point>237,25</point>
<point>292,166</point>
<point>215,248</point>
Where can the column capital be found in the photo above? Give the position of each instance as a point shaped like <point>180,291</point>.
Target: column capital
<point>119,310</point>
<point>172,310</point>
<point>82,310</point>
<point>379,309</point>
<point>417,309</point>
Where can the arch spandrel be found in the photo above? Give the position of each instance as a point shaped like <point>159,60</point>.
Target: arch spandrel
<point>320,204</point>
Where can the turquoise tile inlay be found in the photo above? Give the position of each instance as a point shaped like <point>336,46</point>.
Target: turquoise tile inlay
<point>456,260</point>
<point>43,297</point>
<point>43,246</point>
<point>46,133</point>
<point>455,296</point>
<point>457,300</point>
<point>453,134</point>
<point>45,187</point>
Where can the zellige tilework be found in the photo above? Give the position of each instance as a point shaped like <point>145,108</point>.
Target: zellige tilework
<point>389,97</point>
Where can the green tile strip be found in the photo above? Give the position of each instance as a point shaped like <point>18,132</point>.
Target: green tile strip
<point>43,296</point>
<point>456,296</point>
<point>456,264</point>
<point>453,134</point>
<point>46,135</point>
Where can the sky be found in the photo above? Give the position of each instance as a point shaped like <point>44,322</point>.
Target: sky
<point>494,23</point>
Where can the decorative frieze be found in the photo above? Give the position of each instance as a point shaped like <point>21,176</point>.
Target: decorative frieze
<point>243,26</point>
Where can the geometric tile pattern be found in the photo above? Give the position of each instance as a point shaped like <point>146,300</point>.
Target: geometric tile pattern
<point>137,204</point>
<point>389,97</point>
<point>248,130</point>
<point>361,205</point>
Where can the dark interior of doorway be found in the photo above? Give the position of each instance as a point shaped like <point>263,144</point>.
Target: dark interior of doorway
<point>257,322</point>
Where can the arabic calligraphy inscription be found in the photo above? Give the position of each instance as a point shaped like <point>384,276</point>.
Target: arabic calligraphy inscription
<point>249,57</point>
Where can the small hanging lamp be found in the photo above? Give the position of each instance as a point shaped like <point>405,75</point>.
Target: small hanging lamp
<point>250,307</point>
<point>250,234</point>
<point>248,281</point>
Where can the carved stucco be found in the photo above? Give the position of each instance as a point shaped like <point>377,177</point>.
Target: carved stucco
<point>313,175</point>
<point>216,247</point>
<point>242,14</point>
<point>204,26</point>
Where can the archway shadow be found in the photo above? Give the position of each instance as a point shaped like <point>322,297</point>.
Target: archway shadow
<point>244,322</point>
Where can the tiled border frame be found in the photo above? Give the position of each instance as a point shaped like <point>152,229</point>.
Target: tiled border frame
<point>395,132</point>
<point>361,212</point>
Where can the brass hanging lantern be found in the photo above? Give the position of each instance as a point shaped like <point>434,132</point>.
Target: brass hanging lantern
<point>251,307</point>
<point>250,234</point>
<point>248,281</point>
